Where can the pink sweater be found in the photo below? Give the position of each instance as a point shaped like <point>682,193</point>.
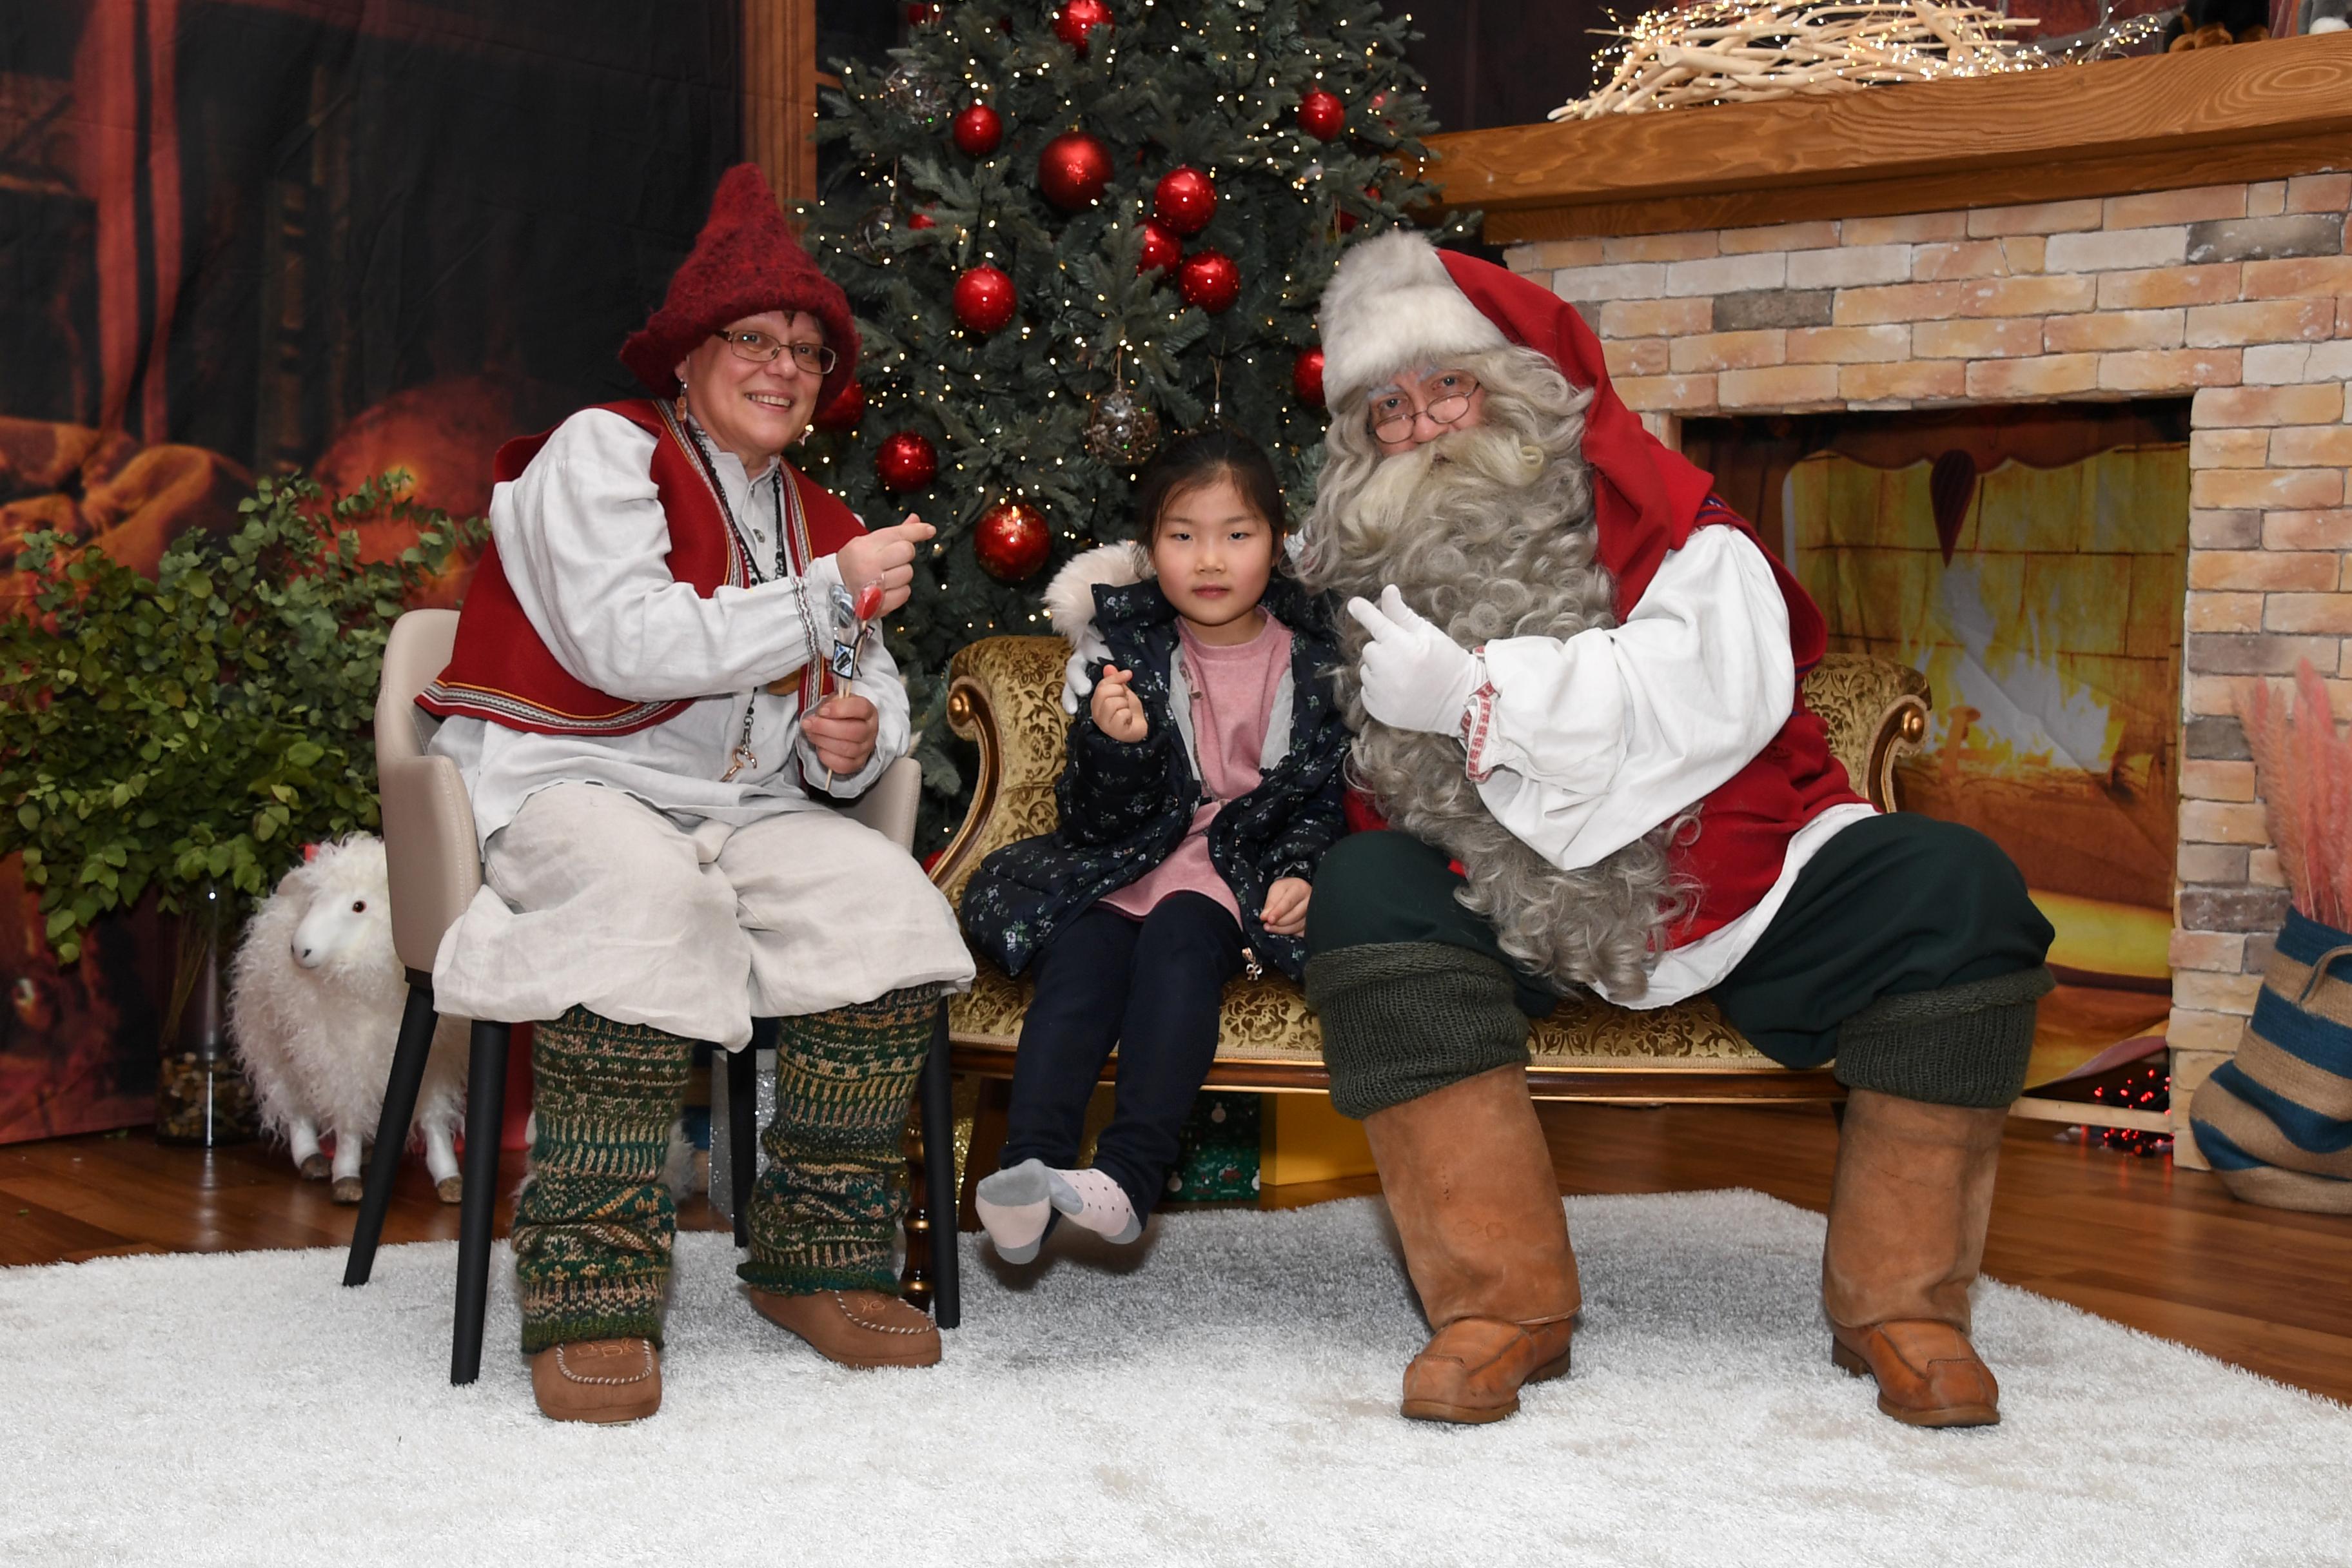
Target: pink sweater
<point>1234,690</point>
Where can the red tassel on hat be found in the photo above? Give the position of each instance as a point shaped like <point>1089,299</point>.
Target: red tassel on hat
<point>745,262</point>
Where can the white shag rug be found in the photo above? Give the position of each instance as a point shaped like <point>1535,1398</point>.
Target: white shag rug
<point>1228,1396</point>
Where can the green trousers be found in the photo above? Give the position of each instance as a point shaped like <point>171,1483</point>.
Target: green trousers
<point>1907,951</point>
<point>593,1224</point>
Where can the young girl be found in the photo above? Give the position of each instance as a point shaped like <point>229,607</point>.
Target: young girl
<point>1203,785</point>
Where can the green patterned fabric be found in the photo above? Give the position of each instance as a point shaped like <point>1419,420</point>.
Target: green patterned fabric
<point>826,1211</point>
<point>593,1225</point>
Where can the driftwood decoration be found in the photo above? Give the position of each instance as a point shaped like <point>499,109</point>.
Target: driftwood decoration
<point>1749,51</point>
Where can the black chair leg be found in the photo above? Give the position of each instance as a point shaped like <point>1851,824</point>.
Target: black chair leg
<point>742,1124</point>
<point>937,1090</point>
<point>486,1095</point>
<point>418,1021</point>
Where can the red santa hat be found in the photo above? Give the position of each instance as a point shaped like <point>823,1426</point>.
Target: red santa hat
<point>745,262</point>
<point>1398,303</point>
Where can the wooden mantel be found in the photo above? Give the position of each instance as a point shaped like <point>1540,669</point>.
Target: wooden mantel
<point>2247,111</point>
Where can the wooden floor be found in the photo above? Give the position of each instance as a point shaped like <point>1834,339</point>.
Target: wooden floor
<point>2131,1239</point>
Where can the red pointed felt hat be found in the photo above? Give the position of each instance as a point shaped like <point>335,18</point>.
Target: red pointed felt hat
<point>744,261</point>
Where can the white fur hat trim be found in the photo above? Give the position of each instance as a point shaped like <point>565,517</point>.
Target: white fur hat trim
<point>1391,306</point>
<point>1070,596</point>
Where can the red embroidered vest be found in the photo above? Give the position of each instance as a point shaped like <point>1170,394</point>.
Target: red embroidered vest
<point>501,669</point>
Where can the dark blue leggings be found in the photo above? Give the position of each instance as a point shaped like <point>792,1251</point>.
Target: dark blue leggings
<point>1152,989</point>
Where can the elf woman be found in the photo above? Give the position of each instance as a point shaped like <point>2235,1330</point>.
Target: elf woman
<point>1203,785</point>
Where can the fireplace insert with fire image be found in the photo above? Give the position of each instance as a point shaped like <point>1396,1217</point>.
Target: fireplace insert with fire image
<point>2032,562</point>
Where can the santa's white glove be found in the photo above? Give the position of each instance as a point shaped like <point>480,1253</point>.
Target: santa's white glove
<point>1414,676</point>
<point>1077,684</point>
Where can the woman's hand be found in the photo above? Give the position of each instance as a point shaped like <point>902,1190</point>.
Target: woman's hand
<point>841,730</point>
<point>885,556</point>
<point>1285,906</point>
<point>1118,711</point>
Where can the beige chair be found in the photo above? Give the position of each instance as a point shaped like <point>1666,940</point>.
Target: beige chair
<point>434,869</point>
<point>1004,696</point>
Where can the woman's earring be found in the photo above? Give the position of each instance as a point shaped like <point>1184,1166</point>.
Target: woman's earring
<point>804,436</point>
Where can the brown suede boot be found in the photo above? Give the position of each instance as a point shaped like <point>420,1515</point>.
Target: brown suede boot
<point>603,1381</point>
<point>1469,1182</point>
<point>1908,1210</point>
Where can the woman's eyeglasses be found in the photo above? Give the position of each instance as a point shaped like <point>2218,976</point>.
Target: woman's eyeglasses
<point>1392,413</point>
<point>761,349</point>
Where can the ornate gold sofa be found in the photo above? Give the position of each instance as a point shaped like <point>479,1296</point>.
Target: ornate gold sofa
<point>1004,695</point>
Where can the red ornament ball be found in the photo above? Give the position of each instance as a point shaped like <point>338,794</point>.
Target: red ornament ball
<point>1307,377</point>
<point>921,16</point>
<point>1210,279</point>
<point>1161,249</point>
<point>845,411</point>
<point>977,130</point>
<point>1321,115</point>
<point>984,299</point>
<point>1184,200</point>
<point>1074,170</point>
<point>1011,541</point>
<point>1075,20</point>
<point>921,220</point>
<point>906,461</point>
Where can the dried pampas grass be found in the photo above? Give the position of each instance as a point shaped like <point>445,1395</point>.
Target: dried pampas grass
<point>2304,769</point>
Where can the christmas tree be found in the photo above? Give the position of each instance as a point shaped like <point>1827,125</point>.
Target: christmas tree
<point>1068,232</point>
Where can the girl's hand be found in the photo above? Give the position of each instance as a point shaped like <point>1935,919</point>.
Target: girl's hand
<point>1117,711</point>
<point>1285,906</point>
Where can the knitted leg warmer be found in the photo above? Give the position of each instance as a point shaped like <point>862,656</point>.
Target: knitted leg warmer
<point>593,1225</point>
<point>1403,1019</point>
<point>826,1209</point>
<point>1962,1045</point>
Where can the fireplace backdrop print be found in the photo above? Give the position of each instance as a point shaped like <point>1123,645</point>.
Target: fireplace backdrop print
<point>2034,569</point>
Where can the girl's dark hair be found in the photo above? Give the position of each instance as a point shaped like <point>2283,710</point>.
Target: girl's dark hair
<point>1200,458</point>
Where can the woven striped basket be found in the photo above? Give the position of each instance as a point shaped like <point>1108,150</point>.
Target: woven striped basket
<point>2276,1119</point>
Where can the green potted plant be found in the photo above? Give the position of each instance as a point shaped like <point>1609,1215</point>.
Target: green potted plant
<point>187,734</point>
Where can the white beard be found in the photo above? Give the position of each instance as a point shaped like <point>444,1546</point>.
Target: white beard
<point>1490,535</point>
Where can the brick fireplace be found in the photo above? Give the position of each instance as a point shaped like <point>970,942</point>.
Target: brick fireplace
<point>2235,293</point>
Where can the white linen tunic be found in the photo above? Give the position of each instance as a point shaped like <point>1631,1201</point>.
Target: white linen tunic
<point>582,539</point>
<point>1590,742</point>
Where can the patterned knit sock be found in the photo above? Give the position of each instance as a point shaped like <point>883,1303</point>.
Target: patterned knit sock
<point>593,1225</point>
<point>826,1211</point>
<point>1095,1199</point>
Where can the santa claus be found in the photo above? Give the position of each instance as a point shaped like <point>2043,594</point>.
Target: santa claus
<point>1574,677</point>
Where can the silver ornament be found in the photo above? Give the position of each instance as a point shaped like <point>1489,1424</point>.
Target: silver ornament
<point>1120,429</point>
<point>871,227</point>
<point>919,97</point>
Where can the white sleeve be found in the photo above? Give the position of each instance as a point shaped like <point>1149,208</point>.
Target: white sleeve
<point>583,540</point>
<point>1581,746</point>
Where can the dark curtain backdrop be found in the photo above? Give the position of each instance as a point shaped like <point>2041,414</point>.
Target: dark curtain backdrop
<point>243,236</point>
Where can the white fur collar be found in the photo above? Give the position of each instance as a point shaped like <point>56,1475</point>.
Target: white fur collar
<point>1070,596</point>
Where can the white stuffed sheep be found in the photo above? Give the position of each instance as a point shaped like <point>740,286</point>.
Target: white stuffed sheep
<point>315,998</point>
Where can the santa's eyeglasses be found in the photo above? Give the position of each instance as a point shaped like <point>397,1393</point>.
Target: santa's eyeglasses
<point>1392,414</point>
<point>760,349</point>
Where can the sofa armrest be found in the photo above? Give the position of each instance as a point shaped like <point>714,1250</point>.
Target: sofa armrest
<point>1876,713</point>
<point>1004,695</point>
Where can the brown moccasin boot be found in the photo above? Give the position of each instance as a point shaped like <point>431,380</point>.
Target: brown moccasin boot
<point>1928,1372</point>
<point>1908,1210</point>
<point>1469,1182</point>
<point>1472,1370</point>
<point>855,1327</point>
<point>597,1379</point>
